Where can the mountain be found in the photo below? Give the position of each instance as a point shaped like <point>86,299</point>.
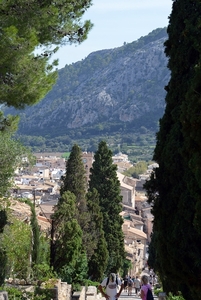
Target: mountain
<point>112,93</point>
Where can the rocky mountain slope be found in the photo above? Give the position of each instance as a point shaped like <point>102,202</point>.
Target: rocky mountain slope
<point>110,89</point>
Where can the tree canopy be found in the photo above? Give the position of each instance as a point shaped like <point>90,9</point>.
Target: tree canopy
<point>30,33</point>
<point>75,181</point>
<point>98,261</point>
<point>12,154</point>
<point>104,179</point>
<point>67,237</point>
<point>175,187</point>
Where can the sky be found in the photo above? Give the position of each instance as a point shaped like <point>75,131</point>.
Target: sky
<point>116,22</point>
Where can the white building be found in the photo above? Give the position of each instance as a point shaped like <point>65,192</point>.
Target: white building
<point>127,191</point>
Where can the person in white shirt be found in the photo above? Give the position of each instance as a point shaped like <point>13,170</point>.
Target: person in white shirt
<point>111,284</point>
<point>137,285</point>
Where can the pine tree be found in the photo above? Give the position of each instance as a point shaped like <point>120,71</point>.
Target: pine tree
<point>26,26</point>
<point>104,179</point>
<point>175,187</point>
<point>98,262</point>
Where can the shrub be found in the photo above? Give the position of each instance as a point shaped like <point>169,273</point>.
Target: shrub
<point>177,297</point>
<point>91,283</point>
<point>157,291</point>
<point>13,293</point>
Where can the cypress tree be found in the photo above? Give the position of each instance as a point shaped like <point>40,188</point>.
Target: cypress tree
<point>175,187</point>
<point>35,234</point>
<point>104,179</point>
<point>75,178</point>
<point>3,256</point>
<point>98,262</point>
<point>67,238</point>
<point>75,182</point>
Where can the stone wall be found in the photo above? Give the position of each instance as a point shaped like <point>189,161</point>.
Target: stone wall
<point>81,295</point>
<point>64,290</point>
<point>89,293</point>
<point>3,295</point>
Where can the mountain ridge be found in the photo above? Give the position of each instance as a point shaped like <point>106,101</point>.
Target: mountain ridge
<point>109,90</point>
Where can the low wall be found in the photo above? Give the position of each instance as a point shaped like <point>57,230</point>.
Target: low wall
<point>89,293</point>
<point>3,295</point>
<point>81,295</point>
<point>64,290</point>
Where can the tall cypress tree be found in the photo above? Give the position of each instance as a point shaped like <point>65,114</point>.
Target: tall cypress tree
<point>98,262</point>
<point>75,178</point>
<point>67,239</point>
<point>75,182</point>
<point>104,179</point>
<point>35,234</point>
<point>175,187</point>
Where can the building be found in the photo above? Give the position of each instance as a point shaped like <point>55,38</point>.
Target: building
<point>127,191</point>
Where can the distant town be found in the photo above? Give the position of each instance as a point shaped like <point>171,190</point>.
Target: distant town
<point>41,184</point>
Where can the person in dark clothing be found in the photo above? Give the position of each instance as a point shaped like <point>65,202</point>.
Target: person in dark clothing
<point>126,283</point>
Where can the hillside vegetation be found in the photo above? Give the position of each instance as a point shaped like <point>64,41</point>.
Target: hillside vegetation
<point>115,95</point>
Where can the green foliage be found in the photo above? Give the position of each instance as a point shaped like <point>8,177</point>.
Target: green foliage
<point>134,148</point>
<point>3,219</point>
<point>175,297</point>
<point>44,250</point>
<point>175,188</point>
<point>8,124</point>
<point>66,155</point>
<point>43,272</point>
<point>137,169</point>
<point>26,26</point>
<point>98,261</point>
<point>11,155</point>
<point>75,182</point>
<point>76,273</point>
<point>14,293</point>
<point>35,234</point>
<point>42,294</point>
<point>74,179</point>
<point>67,238</point>
<point>92,283</point>
<point>127,265</point>
<point>104,179</point>
<point>18,252</point>
<point>3,265</point>
<point>82,80</point>
<point>157,291</point>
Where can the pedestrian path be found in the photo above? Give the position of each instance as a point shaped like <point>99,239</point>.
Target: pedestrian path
<point>124,296</point>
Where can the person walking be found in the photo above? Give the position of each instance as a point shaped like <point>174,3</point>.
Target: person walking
<point>126,283</point>
<point>145,286</point>
<point>137,285</point>
<point>130,286</point>
<point>109,287</point>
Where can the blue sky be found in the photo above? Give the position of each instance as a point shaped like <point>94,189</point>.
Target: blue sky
<point>116,22</point>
